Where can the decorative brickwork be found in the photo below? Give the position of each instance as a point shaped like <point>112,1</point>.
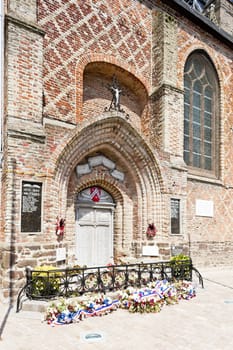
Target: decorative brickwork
<point>61,60</point>
<point>73,30</point>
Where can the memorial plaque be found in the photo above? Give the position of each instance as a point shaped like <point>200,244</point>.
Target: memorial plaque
<point>150,250</point>
<point>31,206</point>
<point>60,254</point>
<point>204,208</point>
<point>177,250</point>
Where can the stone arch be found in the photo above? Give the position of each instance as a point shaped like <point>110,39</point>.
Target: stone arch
<point>119,199</point>
<point>65,157</point>
<point>139,198</point>
<point>90,58</point>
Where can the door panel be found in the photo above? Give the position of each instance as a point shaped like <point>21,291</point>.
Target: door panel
<point>94,236</point>
<point>103,246</point>
<point>85,246</point>
<point>86,216</point>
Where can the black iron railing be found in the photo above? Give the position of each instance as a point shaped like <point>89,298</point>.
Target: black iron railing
<point>70,282</point>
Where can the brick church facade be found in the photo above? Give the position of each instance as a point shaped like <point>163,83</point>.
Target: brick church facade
<point>117,117</point>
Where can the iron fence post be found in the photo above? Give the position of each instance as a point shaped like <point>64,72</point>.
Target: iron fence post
<point>29,282</point>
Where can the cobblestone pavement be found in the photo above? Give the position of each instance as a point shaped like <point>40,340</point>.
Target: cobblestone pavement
<point>205,322</point>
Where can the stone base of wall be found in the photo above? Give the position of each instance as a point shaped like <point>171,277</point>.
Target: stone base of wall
<point>212,253</point>
<point>14,262</point>
<point>141,250</point>
<point>14,258</point>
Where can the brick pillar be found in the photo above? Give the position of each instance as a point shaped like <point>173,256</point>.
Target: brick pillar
<point>167,118</point>
<point>24,47</point>
<point>22,121</point>
<point>167,99</point>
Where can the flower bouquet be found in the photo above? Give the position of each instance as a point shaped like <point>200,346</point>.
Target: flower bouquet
<point>145,300</point>
<point>64,312</point>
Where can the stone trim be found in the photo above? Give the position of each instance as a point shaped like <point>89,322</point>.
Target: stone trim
<point>58,123</point>
<point>192,177</point>
<point>83,169</point>
<point>26,136</point>
<point>158,93</point>
<point>25,129</point>
<point>26,25</point>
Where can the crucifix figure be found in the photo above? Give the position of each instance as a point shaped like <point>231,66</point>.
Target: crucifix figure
<point>116,93</point>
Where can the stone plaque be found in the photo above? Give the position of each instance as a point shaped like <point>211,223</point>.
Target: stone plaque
<point>176,250</point>
<point>31,206</point>
<point>60,254</point>
<point>150,250</point>
<point>204,208</point>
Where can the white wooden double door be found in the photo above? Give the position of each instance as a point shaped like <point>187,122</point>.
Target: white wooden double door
<point>94,235</point>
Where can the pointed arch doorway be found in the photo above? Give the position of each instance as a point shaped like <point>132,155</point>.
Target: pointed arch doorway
<point>94,227</point>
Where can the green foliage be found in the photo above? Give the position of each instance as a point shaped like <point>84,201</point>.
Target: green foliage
<point>180,258</point>
<point>181,267</point>
<point>45,282</point>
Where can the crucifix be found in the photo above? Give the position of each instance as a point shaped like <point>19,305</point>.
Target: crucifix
<point>116,91</point>
<point>116,94</point>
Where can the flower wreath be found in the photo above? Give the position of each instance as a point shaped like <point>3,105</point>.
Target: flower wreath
<point>151,230</point>
<point>60,226</point>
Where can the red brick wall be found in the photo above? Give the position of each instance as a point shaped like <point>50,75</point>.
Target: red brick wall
<point>85,43</point>
<point>119,32</point>
<point>24,78</point>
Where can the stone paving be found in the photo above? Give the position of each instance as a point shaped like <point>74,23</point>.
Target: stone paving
<point>205,322</point>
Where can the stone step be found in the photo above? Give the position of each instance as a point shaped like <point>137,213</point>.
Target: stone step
<point>34,306</point>
<point>33,315</point>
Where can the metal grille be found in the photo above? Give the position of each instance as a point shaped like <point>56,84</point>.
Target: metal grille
<point>77,281</point>
<point>198,5</point>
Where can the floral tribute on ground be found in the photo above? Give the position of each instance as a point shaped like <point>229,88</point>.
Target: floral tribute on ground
<point>149,299</point>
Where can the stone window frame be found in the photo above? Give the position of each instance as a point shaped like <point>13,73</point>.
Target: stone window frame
<point>205,127</point>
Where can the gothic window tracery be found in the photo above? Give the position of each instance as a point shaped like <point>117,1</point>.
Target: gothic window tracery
<point>200,114</point>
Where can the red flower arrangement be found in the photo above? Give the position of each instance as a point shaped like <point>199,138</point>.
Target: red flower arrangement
<point>151,230</point>
<point>60,226</point>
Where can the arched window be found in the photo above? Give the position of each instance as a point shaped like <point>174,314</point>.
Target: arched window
<point>201,114</point>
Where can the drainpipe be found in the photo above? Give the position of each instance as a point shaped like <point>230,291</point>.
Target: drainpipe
<point>1,76</point>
